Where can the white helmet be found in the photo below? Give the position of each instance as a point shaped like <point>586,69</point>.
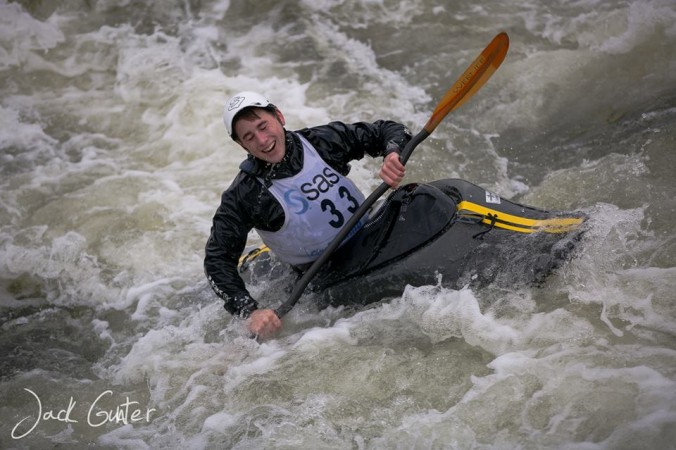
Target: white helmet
<point>240,101</point>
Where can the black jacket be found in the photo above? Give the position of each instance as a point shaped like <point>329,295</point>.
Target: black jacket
<point>247,204</point>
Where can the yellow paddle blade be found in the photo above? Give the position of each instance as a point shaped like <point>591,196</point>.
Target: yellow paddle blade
<point>476,75</point>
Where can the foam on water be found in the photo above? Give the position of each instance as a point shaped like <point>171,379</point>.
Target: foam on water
<point>21,34</point>
<point>114,155</point>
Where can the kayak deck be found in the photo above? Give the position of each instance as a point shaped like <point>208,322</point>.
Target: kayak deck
<point>449,229</point>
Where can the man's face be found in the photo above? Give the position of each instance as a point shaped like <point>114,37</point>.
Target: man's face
<point>262,136</point>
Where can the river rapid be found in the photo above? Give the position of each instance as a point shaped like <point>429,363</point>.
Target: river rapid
<point>113,156</point>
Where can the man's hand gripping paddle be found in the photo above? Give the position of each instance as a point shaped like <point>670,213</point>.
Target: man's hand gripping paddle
<point>471,81</point>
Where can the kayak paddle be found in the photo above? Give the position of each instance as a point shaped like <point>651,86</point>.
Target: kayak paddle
<point>471,81</point>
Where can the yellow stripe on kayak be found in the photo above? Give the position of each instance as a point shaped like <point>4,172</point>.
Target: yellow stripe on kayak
<point>520,224</point>
<point>253,254</point>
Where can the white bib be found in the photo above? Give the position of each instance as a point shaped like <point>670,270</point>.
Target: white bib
<point>317,202</point>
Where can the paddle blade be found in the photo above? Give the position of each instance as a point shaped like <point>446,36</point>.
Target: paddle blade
<point>476,75</point>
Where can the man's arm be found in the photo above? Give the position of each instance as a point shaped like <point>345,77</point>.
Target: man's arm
<point>222,252</point>
<point>339,143</point>
<point>379,138</point>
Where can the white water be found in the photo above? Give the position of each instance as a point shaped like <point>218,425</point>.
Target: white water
<point>113,157</point>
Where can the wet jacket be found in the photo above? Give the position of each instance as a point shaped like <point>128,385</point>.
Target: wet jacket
<point>247,204</point>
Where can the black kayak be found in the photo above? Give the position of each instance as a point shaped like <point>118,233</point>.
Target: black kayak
<point>448,231</point>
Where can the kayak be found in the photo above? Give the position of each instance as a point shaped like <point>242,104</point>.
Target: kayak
<point>448,231</point>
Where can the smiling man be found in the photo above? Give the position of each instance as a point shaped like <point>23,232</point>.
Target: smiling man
<point>293,189</point>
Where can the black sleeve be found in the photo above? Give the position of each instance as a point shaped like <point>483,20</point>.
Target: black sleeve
<point>338,143</point>
<point>230,227</point>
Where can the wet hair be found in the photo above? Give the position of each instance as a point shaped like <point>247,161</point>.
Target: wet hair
<point>250,113</point>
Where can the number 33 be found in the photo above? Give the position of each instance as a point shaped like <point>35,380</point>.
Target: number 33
<point>328,205</point>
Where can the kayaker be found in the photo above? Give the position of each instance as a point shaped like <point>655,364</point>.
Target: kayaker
<point>293,189</point>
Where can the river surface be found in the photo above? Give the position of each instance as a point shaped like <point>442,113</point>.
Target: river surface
<point>113,156</point>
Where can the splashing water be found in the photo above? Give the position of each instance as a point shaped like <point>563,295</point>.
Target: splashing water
<point>113,156</point>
